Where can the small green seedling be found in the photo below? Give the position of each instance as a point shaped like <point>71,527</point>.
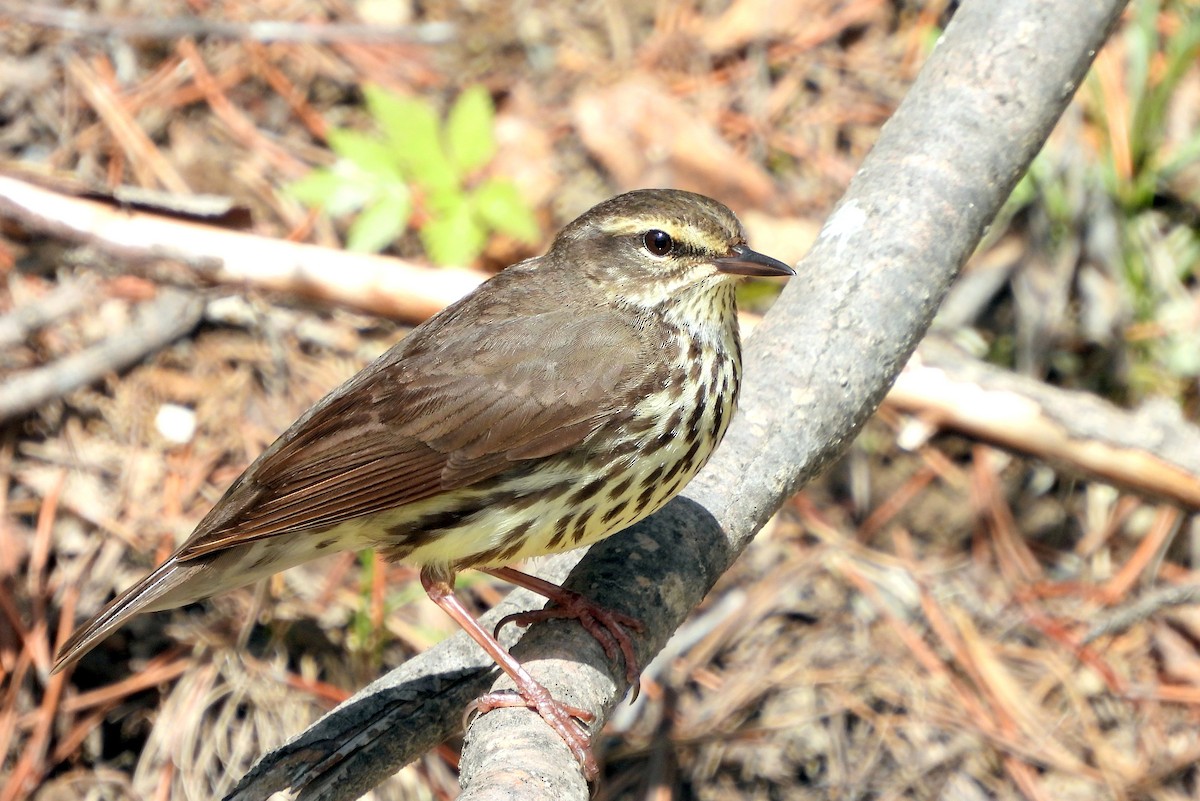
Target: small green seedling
<point>418,171</point>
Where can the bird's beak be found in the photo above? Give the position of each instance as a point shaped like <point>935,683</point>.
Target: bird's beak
<point>744,261</point>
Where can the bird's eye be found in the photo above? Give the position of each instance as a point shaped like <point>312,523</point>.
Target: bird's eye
<point>658,242</point>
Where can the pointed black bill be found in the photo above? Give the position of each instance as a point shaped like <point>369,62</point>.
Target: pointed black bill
<point>744,261</point>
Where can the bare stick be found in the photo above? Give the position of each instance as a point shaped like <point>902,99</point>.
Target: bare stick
<point>171,315</point>
<point>61,302</point>
<point>1151,603</point>
<point>1152,450</point>
<point>384,286</point>
<point>172,28</point>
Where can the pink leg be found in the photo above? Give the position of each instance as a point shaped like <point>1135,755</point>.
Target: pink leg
<point>440,590</point>
<point>606,626</point>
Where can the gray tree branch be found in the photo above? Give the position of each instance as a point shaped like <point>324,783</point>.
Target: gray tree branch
<point>815,369</point>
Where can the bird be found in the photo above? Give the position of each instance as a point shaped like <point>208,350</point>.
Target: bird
<point>564,399</point>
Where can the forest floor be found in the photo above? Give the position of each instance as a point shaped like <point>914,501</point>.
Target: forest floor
<point>910,626</point>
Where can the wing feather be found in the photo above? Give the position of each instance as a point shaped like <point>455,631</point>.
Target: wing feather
<point>444,409</point>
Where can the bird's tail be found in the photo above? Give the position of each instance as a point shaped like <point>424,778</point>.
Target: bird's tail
<point>166,587</point>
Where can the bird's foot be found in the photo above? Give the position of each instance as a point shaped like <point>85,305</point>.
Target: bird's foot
<point>606,626</point>
<point>570,722</point>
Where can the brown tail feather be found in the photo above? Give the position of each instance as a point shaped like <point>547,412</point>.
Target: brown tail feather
<point>141,597</point>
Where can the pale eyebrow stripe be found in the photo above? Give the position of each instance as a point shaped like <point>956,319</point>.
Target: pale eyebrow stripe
<point>685,233</point>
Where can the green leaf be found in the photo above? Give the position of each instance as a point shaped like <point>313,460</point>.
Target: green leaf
<point>338,190</point>
<point>469,139</point>
<point>380,224</point>
<point>498,204</point>
<point>316,188</point>
<point>453,238</point>
<point>366,152</point>
<point>413,135</point>
<point>408,124</point>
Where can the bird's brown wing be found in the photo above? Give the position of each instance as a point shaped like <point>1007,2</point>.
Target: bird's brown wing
<point>451,408</point>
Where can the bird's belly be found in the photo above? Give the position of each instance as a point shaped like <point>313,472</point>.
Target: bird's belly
<point>572,500</point>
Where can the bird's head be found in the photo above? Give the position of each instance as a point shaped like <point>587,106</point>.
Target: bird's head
<point>652,246</point>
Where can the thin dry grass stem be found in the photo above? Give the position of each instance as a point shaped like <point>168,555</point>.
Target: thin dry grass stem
<point>913,641</point>
<point>172,484</point>
<point>379,586</point>
<point>31,766</point>
<point>9,607</point>
<point>1170,693</point>
<point>1015,709</point>
<point>11,702</point>
<point>159,670</point>
<point>1157,773</point>
<point>951,640</point>
<point>487,589</point>
<point>322,691</point>
<point>334,578</point>
<point>305,227</point>
<point>757,603</point>
<point>892,505</point>
<point>1056,632</point>
<point>40,553</point>
<point>229,77</point>
<point>72,740</point>
<point>149,165</point>
<point>945,469</point>
<point>812,520</point>
<point>9,547</point>
<point>260,58</point>
<point>930,454</point>
<point>1149,551</point>
<point>1186,592</point>
<point>1024,776</point>
<point>158,88</point>
<point>1111,75</point>
<point>1116,768</point>
<point>38,639</point>
<point>918,36</point>
<point>841,18</point>
<point>1016,562</point>
<point>1097,537</point>
<point>242,128</point>
<point>398,66</point>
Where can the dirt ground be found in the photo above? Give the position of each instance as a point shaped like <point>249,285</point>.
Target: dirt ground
<point>912,625</point>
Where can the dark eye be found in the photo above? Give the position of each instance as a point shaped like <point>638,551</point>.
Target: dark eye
<point>658,242</point>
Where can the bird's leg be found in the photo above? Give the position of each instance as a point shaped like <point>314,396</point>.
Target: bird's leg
<point>607,626</point>
<point>440,589</point>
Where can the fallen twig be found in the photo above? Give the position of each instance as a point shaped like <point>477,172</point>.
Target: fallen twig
<point>376,284</point>
<point>1151,450</point>
<point>158,322</point>
<point>61,302</point>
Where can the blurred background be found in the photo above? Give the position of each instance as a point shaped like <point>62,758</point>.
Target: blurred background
<point>912,625</point>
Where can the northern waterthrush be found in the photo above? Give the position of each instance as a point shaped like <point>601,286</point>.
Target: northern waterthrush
<point>566,398</point>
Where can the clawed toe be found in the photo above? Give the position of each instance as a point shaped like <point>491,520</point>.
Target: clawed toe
<point>607,627</point>
<point>568,721</point>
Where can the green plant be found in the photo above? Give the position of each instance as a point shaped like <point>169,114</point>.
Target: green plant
<point>420,171</point>
<point>1115,190</point>
<point>1161,244</point>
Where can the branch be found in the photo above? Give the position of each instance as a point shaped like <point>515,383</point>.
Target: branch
<point>815,369</point>
<point>156,324</point>
<point>1152,450</point>
<point>376,284</point>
